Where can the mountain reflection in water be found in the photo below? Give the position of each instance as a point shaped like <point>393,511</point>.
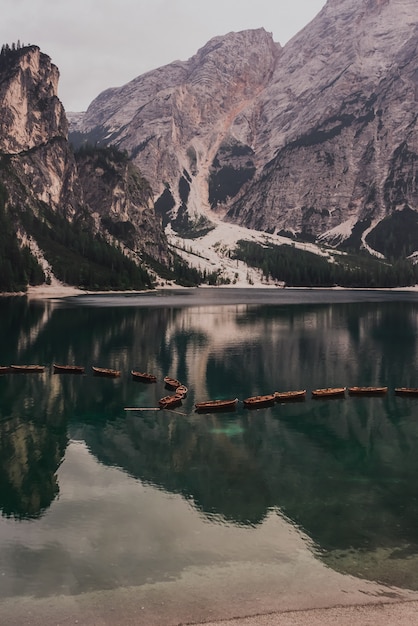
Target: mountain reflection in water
<point>342,471</point>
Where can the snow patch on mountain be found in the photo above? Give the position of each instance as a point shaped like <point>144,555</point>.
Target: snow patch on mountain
<point>214,252</point>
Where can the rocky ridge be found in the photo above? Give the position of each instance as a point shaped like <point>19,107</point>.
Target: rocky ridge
<point>33,133</point>
<point>40,176</point>
<point>174,119</point>
<point>316,140</point>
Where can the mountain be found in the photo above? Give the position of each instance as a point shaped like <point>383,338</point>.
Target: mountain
<point>316,140</point>
<point>247,154</point>
<point>172,121</point>
<point>119,199</point>
<point>87,221</point>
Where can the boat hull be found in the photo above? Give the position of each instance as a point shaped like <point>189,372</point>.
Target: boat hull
<point>27,369</point>
<point>216,405</point>
<point>367,391</point>
<point>181,391</point>
<point>329,392</point>
<point>109,373</point>
<point>171,383</point>
<point>256,402</point>
<point>169,402</point>
<point>68,369</point>
<point>289,396</point>
<point>143,377</point>
<point>406,391</point>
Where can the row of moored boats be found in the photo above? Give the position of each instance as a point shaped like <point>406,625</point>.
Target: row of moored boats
<point>57,369</point>
<point>285,396</point>
<point>179,391</point>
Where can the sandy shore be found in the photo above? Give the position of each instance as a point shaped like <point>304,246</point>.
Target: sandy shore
<point>58,290</point>
<point>298,591</point>
<point>393,614</point>
<point>386,614</point>
<point>66,291</point>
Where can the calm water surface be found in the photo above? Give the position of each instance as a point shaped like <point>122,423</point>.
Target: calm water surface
<point>93,497</point>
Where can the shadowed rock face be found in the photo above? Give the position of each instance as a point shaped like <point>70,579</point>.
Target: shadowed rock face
<point>313,138</point>
<point>33,133</point>
<point>119,199</point>
<point>30,112</point>
<point>38,168</point>
<point>177,121</point>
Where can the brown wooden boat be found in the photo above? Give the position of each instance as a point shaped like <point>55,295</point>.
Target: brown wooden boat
<point>27,368</point>
<point>255,402</point>
<point>104,371</point>
<point>144,377</point>
<point>171,383</point>
<point>181,391</point>
<point>407,391</point>
<point>68,369</point>
<point>4,369</point>
<point>328,392</point>
<point>216,405</point>
<point>367,391</point>
<point>169,402</point>
<point>283,396</point>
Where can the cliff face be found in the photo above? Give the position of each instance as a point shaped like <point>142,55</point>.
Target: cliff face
<point>40,178</point>
<point>33,134</point>
<point>30,110</point>
<point>342,148</point>
<point>318,138</point>
<point>120,202</point>
<point>173,121</point>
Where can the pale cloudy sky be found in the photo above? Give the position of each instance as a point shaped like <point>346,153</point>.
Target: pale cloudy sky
<point>98,44</point>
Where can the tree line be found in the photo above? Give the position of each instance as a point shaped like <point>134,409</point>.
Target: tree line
<point>18,267</point>
<point>299,268</point>
<point>81,258</point>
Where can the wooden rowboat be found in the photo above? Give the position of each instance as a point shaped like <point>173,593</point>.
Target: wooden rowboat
<point>68,369</point>
<point>181,391</point>
<point>367,391</point>
<point>144,377</point>
<point>27,368</point>
<point>104,371</point>
<point>328,392</point>
<point>171,383</point>
<point>216,405</point>
<point>407,391</point>
<point>256,402</point>
<point>169,402</point>
<point>283,396</point>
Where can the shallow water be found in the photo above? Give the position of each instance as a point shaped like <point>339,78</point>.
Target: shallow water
<point>95,498</point>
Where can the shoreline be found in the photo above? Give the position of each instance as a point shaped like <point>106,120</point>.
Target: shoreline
<point>361,603</point>
<point>388,613</point>
<point>67,291</point>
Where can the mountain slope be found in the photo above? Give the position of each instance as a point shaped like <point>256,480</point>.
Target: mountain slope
<point>173,120</point>
<point>48,209</point>
<point>316,140</point>
<point>345,130</point>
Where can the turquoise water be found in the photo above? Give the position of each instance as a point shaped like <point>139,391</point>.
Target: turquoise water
<point>94,497</point>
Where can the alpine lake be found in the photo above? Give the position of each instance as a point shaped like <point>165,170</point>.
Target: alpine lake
<point>175,515</point>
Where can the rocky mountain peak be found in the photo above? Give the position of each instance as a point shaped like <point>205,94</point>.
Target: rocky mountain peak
<point>245,50</point>
<point>174,120</point>
<point>48,205</point>
<point>317,139</point>
<point>29,77</point>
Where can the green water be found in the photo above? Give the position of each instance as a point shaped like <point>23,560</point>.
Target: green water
<point>95,497</point>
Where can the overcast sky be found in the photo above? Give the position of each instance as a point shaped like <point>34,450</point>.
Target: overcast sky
<point>98,44</point>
